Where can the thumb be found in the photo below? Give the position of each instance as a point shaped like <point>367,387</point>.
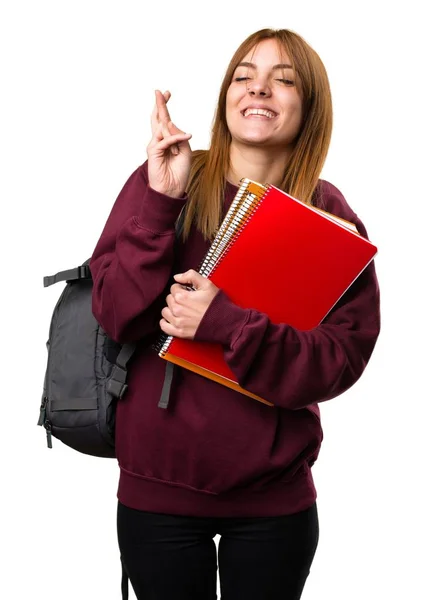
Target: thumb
<point>191,277</point>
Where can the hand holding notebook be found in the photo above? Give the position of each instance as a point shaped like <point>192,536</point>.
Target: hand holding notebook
<point>269,236</point>
<point>183,313</point>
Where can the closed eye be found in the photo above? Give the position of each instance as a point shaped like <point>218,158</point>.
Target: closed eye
<point>285,81</point>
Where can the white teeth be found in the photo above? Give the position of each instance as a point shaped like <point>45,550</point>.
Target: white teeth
<point>259,111</point>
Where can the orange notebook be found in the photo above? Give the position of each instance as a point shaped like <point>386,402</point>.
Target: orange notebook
<point>277,255</point>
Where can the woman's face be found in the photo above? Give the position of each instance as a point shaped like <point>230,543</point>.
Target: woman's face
<point>263,104</point>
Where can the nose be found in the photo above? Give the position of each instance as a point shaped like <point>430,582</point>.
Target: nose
<point>258,88</point>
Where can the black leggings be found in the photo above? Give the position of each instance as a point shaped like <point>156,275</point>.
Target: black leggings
<point>169,557</point>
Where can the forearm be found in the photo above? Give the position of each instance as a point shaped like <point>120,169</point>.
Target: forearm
<point>293,368</point>
<point>132,262</point>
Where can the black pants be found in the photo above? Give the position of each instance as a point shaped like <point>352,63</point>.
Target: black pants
<point>171,557</point>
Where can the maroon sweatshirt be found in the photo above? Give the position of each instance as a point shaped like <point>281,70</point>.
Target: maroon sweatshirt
<point>215,452</point>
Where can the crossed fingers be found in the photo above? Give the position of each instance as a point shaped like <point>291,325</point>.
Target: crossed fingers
<point>162,126</point>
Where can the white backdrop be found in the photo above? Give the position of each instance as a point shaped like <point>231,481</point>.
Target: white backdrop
<point>77,92</point>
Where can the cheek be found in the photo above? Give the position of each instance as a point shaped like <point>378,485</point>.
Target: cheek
<point>232,100</point>
<point>294,113</point>
<point>234,97</point>
<point>229,103</point>
<point>298,115</point>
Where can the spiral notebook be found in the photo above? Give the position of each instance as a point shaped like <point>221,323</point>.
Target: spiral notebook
<point>275,254</point>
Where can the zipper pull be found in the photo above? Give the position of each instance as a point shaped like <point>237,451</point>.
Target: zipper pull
<point>47,426</point>
<point>42,414</point>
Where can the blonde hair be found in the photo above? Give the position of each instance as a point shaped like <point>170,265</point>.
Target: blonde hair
<point>209,167</point>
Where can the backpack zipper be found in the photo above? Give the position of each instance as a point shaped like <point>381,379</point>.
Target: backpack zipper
<point>43,408</point>
<point>48,428</point>
<point>42,413</point>
<point>45,422</point>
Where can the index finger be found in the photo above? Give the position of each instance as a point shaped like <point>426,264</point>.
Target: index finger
<point>155,112</point>
<point>176,287</point>
<point>162,111</point>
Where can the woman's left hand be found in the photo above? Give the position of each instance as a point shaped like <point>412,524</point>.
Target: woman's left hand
<point>185,308</point>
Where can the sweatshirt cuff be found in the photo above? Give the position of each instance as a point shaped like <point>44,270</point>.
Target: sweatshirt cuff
<point>222,322</point>
<point>159,212</point>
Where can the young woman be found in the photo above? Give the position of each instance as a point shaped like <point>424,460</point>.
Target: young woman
<point>216,461</point>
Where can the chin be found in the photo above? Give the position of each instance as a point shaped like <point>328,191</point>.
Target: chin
<point>262,139</point>
<point>255,140</point>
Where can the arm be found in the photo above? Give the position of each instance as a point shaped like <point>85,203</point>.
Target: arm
<point>133,259</point>
<point>289,367</point>
<point>132,262</point>
<point>293,368</point>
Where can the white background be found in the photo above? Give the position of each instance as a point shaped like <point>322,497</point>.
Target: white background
<point>77,92</point>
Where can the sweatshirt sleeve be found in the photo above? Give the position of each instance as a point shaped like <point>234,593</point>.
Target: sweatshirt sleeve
<point>293,368</point>
<point>132,262</point>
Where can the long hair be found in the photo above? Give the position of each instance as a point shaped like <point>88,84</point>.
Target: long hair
<point>209,167</point>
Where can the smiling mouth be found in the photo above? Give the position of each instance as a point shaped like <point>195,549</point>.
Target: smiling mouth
<point>259,112</point>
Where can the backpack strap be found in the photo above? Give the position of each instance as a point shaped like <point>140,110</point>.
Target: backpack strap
<point>117,385</point>
<point>81,272</point>
<point>166,388</point>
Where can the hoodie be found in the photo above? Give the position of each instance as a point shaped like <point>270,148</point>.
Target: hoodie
<point>216,452</point>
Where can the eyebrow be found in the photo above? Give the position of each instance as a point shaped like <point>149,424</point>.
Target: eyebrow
<point>274,68</point>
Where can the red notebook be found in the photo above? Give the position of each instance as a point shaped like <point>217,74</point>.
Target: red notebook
<point>268,236</point>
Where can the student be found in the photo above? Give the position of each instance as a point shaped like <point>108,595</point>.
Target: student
<point>216,461</point>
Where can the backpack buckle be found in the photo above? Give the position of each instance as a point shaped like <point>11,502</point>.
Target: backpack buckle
<point>117,388</point>
<point>84,272</point>
<point>123,390</point>
<point>117,385</point>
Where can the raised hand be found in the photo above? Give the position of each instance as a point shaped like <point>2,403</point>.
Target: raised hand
<point>169,153</point>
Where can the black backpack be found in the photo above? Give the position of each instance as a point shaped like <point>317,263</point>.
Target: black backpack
<point>86,371</point>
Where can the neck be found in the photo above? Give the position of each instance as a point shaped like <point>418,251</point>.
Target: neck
<point>263,165</point>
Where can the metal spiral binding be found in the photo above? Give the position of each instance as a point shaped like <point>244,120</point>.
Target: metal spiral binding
<point>162,345</point>
<point>243,206</point>
<point>224,226</point>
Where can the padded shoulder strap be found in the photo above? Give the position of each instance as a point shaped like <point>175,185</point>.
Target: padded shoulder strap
<point>124,355</point>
